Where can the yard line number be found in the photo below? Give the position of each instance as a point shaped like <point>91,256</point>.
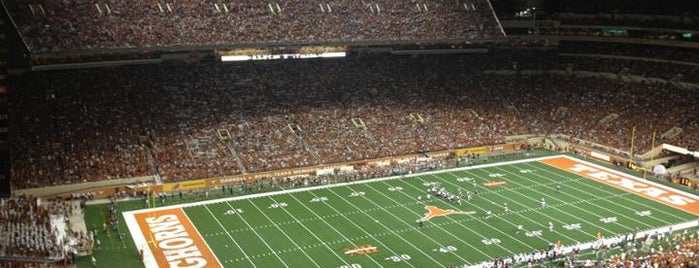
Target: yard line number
<point>356,194</point>
<point>398,258</point>
<point>319,199</point>
<point>491,241</point>
<point>572,226</point>
<point>446,249</point>
<point>278,205</point>
<point>645,213</point>
<point>234,211</point>
<point>608,220</point>
<point>464,179</point>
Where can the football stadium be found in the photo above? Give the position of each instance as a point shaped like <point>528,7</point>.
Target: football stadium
<point>349,134</point>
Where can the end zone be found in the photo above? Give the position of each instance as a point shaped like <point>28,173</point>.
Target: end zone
<point>169,239</point>
<point>648,189</point>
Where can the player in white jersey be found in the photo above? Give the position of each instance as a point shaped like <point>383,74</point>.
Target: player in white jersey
<point>543,203</point>
<point>550,227</point>
<point>519,229</point>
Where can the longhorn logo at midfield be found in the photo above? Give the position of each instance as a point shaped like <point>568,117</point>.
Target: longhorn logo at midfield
<point>433,212</point>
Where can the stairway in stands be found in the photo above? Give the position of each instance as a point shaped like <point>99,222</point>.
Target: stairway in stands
<point>4,122</point>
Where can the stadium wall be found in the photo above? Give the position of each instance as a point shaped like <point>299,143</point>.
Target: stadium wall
<point>133,185</point>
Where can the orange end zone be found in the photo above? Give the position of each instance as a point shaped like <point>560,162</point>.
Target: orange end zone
<point>174,241</point>
<point>657,192</point>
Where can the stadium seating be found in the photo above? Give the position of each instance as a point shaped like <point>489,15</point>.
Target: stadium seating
<point>680,251</point>
<point>28,231</point>
<point>68,25</point>
<point>227,119</point>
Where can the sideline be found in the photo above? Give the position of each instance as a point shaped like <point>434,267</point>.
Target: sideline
<point>341,184</point>
<point>612,240</point>
<point>149,259</point>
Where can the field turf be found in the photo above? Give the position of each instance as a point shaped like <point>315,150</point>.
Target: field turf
<point>376,223</point>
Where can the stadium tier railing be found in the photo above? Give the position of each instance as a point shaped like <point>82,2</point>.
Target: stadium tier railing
<point>136,186</point>
<point>102,188</point>
<point>108,188</point>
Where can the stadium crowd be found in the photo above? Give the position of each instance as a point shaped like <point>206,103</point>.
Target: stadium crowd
<point>678,250</point>
<point>646,62</point>
<point>28,232</point>
<point>674,250</point>
<point>68,25</point>
<point>228,119</point>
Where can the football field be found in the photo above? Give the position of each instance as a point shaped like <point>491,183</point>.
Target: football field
<point>392,222</point>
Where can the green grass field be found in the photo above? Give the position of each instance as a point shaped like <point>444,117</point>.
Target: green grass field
<point>375,224</point>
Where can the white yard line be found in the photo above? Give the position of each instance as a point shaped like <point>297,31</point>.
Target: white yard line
<point>258,236</point>
<point>502,218</point>
<point>460,223</point>
<point>311,232</point>
<point>140,240</point>
<point>342,184</point>
<point>608,241</point>
<point>614,213</point>
<point>590,244</point>
<point>247,257</point>
<point>202,238</point>
<point>627,199</point>
<point>555,208</point>
<point>285,234</point>
<point>418,216</point>
<point>359,227</point>
<point>282,223</point>
<point>390,230</point>
<point>149,260</point>
<point>631,176</point>
<point>536,210</point>
<point>331,227</point>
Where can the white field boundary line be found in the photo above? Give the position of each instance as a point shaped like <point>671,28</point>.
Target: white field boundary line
<point>638,204</point>
<point>149,260</point>
<point>284,233</point>
<point>245,254</point>
<point>359,227</point>
<point>611,240</point>
<point>258,236</point>
<point>341,184</point>
<point>142,244</point>
<point>140,240</point>
<point>499,215</point>
<point>626,175</point>
<point>202,239</point>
